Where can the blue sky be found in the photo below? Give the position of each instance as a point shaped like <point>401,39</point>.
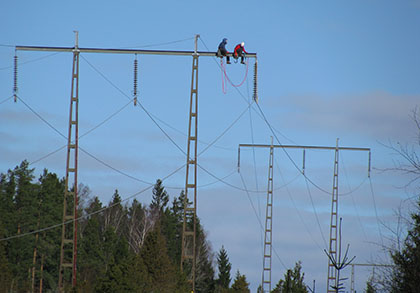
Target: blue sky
<point>326,70</point>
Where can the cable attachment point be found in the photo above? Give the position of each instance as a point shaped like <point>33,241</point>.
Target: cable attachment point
<point>135,81</point>
<point>255,96</point>
<point>15,72</point>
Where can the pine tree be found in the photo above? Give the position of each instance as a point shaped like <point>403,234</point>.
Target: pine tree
<point>240,284</point>
<point>224,267</point>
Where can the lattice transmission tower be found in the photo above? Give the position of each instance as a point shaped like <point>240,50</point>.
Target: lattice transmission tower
<point>68,250</point>
<point>332,280</point>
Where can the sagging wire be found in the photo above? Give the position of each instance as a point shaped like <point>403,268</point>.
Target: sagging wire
<point>259,219</point>
<point>89,214</point>
<point>376,211</point>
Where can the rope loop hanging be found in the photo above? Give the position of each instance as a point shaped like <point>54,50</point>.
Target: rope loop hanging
<point>225,77</point>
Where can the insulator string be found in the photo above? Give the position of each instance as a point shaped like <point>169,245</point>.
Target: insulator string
<point>135,81</point>
<point>255,82</point>
<point>15,72</point>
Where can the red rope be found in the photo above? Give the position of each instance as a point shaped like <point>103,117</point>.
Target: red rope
<point>225,77</point>
<point>222,66</point>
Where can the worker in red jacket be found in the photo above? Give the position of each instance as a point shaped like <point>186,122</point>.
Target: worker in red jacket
<point>239,52</point>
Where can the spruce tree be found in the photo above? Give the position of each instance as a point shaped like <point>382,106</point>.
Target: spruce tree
<point>204,268</point>
<point>160,270</point>
<point>240,284</point>
<point>224,267</point>
<point>51,212</point>
<point>160,197</point>
<point>116,278</point>
<point>91,260</point>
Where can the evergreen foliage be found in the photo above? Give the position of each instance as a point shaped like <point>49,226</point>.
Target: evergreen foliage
<point>240,284</point>
<point>370,287</point>
<point>121,248</point>
<point>407,261</point>
<point>160,197</point>
<point>224,267</point>
<point>293,281</point>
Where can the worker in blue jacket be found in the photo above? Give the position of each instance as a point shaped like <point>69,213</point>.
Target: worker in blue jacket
<point>222,51</point>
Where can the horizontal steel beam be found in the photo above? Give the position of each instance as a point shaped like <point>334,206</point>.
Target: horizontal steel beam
<point>303,147</point>
<point>371,265</point>
<point>123,51</point>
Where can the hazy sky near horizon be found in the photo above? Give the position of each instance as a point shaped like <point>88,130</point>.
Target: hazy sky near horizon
<point>326,70</point>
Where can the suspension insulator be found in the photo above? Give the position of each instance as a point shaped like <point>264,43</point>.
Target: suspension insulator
<point>135,81</point>
<point>255,82</point>
<point>15,72</point>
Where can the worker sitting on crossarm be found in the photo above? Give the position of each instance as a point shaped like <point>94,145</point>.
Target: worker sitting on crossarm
<point>239,52</point>
<point>222,51</point>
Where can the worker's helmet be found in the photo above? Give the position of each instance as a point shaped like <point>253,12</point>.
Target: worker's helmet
<point>224,40</point>
<point>242,44</point>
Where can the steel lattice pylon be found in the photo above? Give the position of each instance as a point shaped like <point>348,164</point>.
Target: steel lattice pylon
<point>332,250</point>
<point>266,276</point>
<point>68,254</point>
<point>188,253</point>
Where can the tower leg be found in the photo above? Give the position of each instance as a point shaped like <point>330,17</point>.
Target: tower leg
<point>188,253</point>
<point>332,271</point>
<point>266,277</point>
<point>68,253</point>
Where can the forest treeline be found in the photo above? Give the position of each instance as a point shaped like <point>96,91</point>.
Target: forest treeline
<point>122,246</point>
<point>129,247</point>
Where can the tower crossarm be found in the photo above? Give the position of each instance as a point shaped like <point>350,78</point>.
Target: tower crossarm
<point>124,51</point>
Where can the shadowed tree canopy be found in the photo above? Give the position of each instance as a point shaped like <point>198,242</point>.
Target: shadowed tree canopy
<point>293,281</point>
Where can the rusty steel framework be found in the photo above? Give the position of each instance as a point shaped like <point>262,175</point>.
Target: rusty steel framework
<point>188,251</point>
<point>266,276</point>
<point>332,280</point>
<point>69,226</point>
<point>69,233</point>
<point>332,273</point>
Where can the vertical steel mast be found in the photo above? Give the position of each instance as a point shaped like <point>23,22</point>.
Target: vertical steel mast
<point>332,250</point>
<point>266,276</point>
<point>190,212</point>
<point>68,253</point>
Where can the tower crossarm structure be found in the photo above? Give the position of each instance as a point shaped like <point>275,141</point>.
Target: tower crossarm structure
<point>332,280</point>
<point>352,290</point>
<point>68,257</point>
